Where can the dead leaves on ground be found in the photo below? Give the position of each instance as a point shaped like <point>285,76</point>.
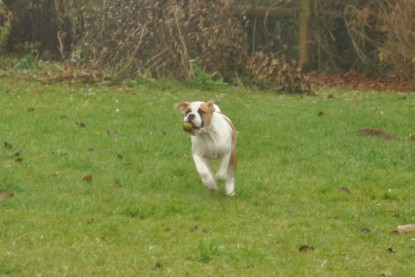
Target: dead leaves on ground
<point>353,80</point>
<point>14,155</point>
<point>111,133</point>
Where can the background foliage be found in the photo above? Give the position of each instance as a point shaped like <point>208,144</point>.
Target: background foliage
<point>161,38</point>
<point>221,37</point>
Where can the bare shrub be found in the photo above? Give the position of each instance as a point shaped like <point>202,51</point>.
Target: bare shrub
<point>344,33</point>
<point>397,49</point>
<point>161,38</point>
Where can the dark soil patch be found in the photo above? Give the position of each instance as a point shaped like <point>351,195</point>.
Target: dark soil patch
<point>372,132</point>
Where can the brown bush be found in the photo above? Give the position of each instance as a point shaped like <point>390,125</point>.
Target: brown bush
<point>371,37</point>
<point>275,73</point>
<point>161,38</point>
<point>397,50</point>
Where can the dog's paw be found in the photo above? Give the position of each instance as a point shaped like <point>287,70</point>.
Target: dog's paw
<point>231,193</point>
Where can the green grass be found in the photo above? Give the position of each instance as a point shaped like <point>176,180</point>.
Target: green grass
<point>145,211</point>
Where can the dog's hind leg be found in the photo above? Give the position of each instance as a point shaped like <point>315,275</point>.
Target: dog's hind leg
<point>230,182</point>
<point>226,172</point>
<point>230,177</point>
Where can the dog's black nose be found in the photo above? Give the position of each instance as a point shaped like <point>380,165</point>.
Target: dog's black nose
<point>191,116</point>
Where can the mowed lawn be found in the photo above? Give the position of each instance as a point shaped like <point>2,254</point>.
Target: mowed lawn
<point>99,181</point>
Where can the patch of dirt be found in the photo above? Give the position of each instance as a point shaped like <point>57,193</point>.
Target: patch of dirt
<point>372,132</point>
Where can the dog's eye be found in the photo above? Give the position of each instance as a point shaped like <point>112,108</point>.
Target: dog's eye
<point>200,111</point>
<point>188,111</point>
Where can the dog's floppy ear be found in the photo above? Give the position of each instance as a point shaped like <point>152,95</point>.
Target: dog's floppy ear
<point>183,107</point>
<point>211,105</point>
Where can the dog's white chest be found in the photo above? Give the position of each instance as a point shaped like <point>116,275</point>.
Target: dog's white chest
<point>211,147</point>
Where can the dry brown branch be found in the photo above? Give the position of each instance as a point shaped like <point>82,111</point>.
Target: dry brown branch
<point>68,68</point>
<point>132,57</point>
<point>404,229</point>
<point>185,60</point>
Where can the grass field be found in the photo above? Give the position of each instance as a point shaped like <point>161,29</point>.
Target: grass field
<point>103,184</point>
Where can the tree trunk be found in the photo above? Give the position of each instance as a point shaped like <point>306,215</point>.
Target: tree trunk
<point>304,33</point>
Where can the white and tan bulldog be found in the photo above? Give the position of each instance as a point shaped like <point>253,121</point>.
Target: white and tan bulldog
<point>213,137</point>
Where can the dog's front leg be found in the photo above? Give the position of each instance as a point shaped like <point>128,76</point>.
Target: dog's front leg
<point>205,172</point>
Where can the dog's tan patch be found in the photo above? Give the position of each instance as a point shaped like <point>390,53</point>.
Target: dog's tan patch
<point>234,154</point>
<point>208,108</point>
<point>183,107</point>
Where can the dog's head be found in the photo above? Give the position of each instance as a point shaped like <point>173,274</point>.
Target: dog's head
<point>199,114</point>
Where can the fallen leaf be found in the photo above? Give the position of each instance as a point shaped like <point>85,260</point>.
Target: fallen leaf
<point>7,145</point>
<point>156,266</point>
<point>80,124</point>
<point>82,191</point>
<point>306,248</point>
<point>116,184</point>
<point>197,229</point>
<point>5,194</point>
<point>87,178</point>
<point>391,250</point>
<point>113,133</point>
<point>365,230</point>
<point>345,190</point>
<point>15,154</point>
<point>387,272</point>
<point>194,228</point>
<point>19,160</point>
